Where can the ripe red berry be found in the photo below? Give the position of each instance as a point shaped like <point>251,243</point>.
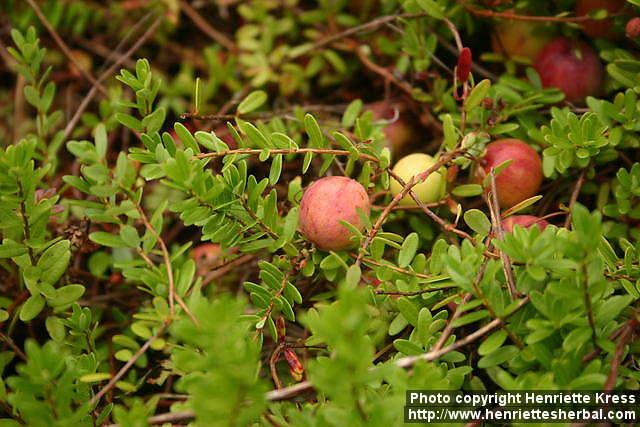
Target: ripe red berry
<point>573,67</point>
<point>522,178</point>
<point>633,28</point>
<point>325,203</point>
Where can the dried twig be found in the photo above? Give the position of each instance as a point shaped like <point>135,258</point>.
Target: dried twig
<point>13,346</point>
<point>173,296</point>
<point>446,333</point>
<point>408,361</point>
<point>253,151</point>
<point>574,197</point>
<point>223,269</point>
<point>64,48</point>
<point>625,336</point>
<point>367,26</point>
<point>112,382</point>
<point>425,208</point>
<point>494,209</point>
<point>273,360</point>
<point>415,180</point>
<point>516,17</point>
<point>207,28</point>
<point>405,362</point>
<point>107,73</point>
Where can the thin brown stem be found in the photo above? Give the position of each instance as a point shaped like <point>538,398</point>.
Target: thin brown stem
<point>405,362</point>
<point>206,27</point>
<point>415,180</point>
<point>107,73</point>
<point>588,306</point>
<point>112,382</point>
<point>494,209</point>
<point>574,197</point>
<point>273,360</point>
<point>624,338</point>
<point>516,17</point>
<point>367,26</point>
<point>254,152</point>
<point>446,333</point>
<point>13,346</point>
<point>64,48</point>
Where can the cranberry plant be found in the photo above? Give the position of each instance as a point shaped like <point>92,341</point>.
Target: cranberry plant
<point>232,233</point>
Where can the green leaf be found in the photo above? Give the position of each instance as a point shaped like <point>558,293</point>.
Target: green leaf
<point>276,169</point>
<point>55,327</point>
<point>67,295</point>
<point>129,236</point>
<point>407,347</point>
<point>9,249</point>
<point>31,307</point>
<point>313,130</point>
<point>478,93</point>
<point>252,102</point>
<point>54,261</point>
<point>470,318</point>
<point>477,221</point>
<point>408,250</point>
<point>351,113</point>
<point>467,190</point>
<point>498,357</point>
<point>450,137</point>
<point>408,310</point>
<point>100,138</point>
<point>185,136</point>
<point>154,121</point>
<point>432,8</point>
<point>130,122</point>
<point>107,239</point>
<point>353,275</point>
<point>492,343</point>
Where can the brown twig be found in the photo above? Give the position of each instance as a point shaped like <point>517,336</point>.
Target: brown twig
<point>257,219</point>
<point>207,28</point>
<point>367,26</point>
<point>411,293</point>
<point>398,269</point>
<point>273,360</point>
<point>592,355</point>
<point>446,333</point>
<point>112,382</point>
<point>405,362</point>
<point>433,355</point>
<point>13,346</point>
<point>625,336</point>
<point>587,304</point>
<point>108,72</point>
<point>494,209</point>
<point>223,269</point>
<point>64,48</point>
<point>425,208</point>
<point>253,151</point>
<point>574,197</point>
<point>415,180</point>
<point>516,17</point>
<point>173,296</point>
